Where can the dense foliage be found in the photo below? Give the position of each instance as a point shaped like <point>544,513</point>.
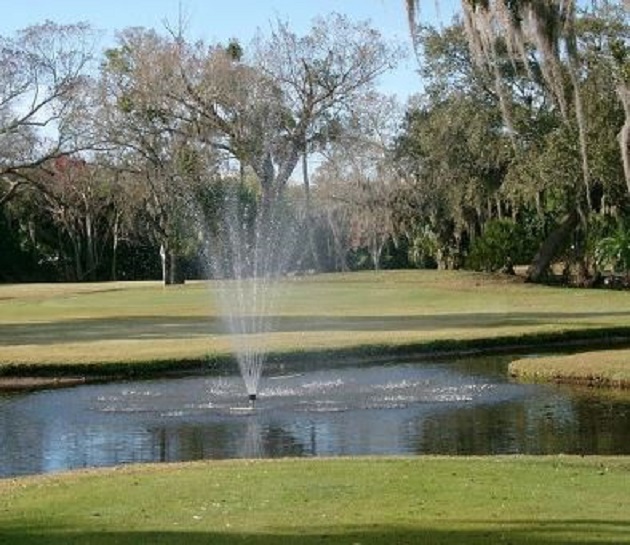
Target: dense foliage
<point>129,159</point>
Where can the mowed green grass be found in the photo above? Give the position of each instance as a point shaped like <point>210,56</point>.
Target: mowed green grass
<point>134,323</point>
<point>432,500</point>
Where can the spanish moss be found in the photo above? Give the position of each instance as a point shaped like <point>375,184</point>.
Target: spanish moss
<point>541,33</point>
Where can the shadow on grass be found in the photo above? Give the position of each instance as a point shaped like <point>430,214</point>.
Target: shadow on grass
<point>173,327</point>
<point>578,532</point>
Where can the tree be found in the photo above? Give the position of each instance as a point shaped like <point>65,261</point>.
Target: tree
<point>454,157</point>
<point>545,169</point>
<point>279,103</point>
<point>357,180</point>
<point>80,200</point>
<point>543,41</point>
<point>496,27</point>
<point>153,140</point>
<point>43,75</point>
<point>323,76</point>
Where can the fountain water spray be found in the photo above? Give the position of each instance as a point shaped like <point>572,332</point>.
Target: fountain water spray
<point>249,248</point>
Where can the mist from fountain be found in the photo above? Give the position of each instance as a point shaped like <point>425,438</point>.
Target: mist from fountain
<point>249,247</point>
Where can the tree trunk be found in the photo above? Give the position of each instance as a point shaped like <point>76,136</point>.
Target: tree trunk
<point>312,247</point>
<point>77,257</point>
<point>171,270</point>
<point>375,253</point>
<point>550,247</point>
<point>90,252</point>
<point>623,91</point>
<point>114,275</point>
<point>499,208</point>
<point>340,250</point>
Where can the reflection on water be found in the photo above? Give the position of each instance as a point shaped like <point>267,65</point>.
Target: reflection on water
<point>463,407</point>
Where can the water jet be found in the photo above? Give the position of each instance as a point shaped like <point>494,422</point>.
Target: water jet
<point>248,248</point>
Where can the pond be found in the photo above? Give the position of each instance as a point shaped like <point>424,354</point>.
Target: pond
<point>464,406</point>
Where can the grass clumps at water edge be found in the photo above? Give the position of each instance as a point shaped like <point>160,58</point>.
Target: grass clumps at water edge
<point>435,500</point>
<point>610,368</point>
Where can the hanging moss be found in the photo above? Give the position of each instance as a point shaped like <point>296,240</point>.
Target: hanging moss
<point>549,26</point>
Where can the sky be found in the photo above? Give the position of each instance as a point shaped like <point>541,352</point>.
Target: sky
<point>220,20</point>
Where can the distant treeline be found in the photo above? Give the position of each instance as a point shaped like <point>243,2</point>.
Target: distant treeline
<point>134,162</point>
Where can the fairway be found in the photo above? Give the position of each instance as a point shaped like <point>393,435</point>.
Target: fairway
<point>433,500</point>
<point>65,329</point>
<point>80,326</point>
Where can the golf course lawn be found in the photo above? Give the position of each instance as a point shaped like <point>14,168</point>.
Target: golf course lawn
<point>432,500</point>
<point>134,328</point>
<point>62,331</point>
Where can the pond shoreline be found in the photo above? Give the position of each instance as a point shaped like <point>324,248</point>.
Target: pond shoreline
<point>16,378</point>
<point>594,369</point>
<point>29,384</point>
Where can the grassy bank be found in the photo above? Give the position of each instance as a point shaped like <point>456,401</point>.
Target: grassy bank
<point>517,500</point>
<point>609,368</point>
<point>136,328</point>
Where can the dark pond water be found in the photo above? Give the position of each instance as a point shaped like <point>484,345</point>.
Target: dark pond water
<point>457,407</point>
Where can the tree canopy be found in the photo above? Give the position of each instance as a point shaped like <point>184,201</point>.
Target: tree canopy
<point>130,162</point>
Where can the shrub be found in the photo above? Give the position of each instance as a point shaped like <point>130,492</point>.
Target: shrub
<point>502,244</point>
<point>423,249</point>
<point>614,250</point>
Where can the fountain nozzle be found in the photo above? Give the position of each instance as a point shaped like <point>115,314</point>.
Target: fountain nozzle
<point>252,397</point>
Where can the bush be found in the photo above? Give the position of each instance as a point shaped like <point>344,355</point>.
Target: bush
<point>614,251</point>
<point>502,244</point>
<point>423,249</point>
